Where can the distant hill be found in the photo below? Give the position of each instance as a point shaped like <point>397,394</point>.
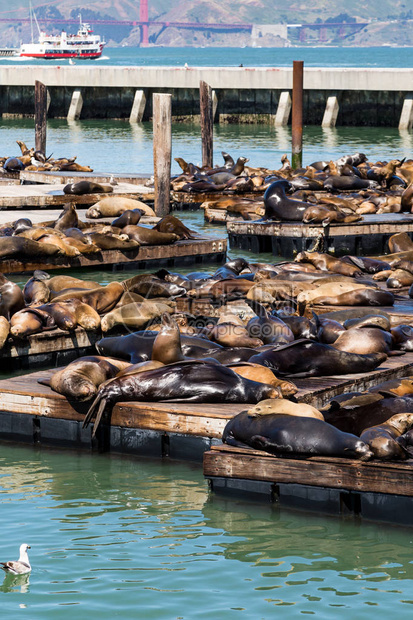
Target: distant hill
<point>390,21</point>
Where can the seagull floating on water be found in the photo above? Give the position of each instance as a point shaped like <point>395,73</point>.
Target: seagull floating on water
<point>22,565</point>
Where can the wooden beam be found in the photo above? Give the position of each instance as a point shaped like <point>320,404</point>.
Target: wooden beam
<point>207,123</point>
<point>40,116</point>
<point>162,151</point>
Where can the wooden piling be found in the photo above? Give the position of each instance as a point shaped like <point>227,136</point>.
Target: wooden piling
<point>162,149</point>
<point>40,116</point>
<point>297,115</point>
<point>207,123</point>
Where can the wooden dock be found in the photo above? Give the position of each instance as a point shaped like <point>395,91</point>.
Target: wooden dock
<point>61,177</point>
<point>38,196</point>
<point>367,237</point>
<point>374,489</point>
<point>33,412</point>
<point>181,253</point>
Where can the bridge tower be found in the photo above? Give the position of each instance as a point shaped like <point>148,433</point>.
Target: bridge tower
<point>143,17</point>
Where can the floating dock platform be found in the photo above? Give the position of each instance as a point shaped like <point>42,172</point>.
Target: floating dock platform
<point>31,412</point>
<point>180,253</point>
<point>63,177</point>
<point>367,237</point>
<point>373,490</point>
<point>38,196</point>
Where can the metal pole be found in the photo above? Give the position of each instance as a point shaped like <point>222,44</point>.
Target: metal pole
<point>297,115</point>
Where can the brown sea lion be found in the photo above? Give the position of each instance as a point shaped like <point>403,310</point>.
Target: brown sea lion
<point>102,299</point>
<point>268,328</point>
<point>114,206</point>
<point>72,313</point>
<point>369,320</point>
<point>382,438</point>
<point>149,236</point>
<point>398,387</point>
<point>19,247</point>
<point>402,337</point>
<point>230,335</point>
<point>399,278</point>
<point>30,321</point>
<point>261,374</point>
<point>407,200</point>
<point>284,407</point>
<point>11,297</point>
<point>171,224</point>
<point>65,248</point>
<point>81,379</point>
<point>167,344</point>
<point>291,434</point>
<point>325,262</point>
<point>68,218</point>
<point>111,242</point>
<point>36,290</point>
<point>279,207</point>
<point>61,283</point>
<point>366,340</point>
<point>4,330</point>
<point>134,315</point>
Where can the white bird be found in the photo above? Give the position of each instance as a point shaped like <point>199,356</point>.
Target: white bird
<point>71,62</point>
<point>22,565</point>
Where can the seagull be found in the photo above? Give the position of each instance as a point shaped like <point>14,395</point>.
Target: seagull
<point>22,565</point>
<point>71,62</point>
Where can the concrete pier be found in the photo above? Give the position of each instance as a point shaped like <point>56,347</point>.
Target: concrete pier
<point>374,97</point>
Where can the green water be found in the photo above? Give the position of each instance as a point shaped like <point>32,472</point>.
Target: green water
<point>119,537</point>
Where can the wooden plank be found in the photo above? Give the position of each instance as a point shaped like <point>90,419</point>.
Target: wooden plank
<point>205,250</point>
<point>63,177</point>
<point>351,475</point>
<point>19,196</point>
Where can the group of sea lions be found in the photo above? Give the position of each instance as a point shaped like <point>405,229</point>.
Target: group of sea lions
<point>69,236</point>
<point>30,159</point>
<point>325,191</point>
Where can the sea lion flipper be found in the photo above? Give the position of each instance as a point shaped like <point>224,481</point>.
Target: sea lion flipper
<point>44,382</point>
<point>91,412</point>
<point>101,409</point>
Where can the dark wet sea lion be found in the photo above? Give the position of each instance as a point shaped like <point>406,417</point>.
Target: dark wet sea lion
<point>286,434</point>
<point>301,326</point>
<point>149,236</point>
<point>149,285</point>
<point>72,313</point>
<point>21,224</point>
<point>279,207</point>
<point>268,328</point>
<point>11,297</point>
<point>13,164</point>
<point>261,374</point>
<point>369,265</point>
<point>130,217</point>
<point>86,187</point>
<point>338,183</point>
<point>80,379</point>
<point>182,382</point>
<point>306,358</point>
<point>328,330</point>
<point>354,419</point>
<point>36,290</point>
<point>381,439</point>
<point>369,320</point>
<point>402,337</point>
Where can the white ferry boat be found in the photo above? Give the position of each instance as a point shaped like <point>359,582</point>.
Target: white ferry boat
<point>81,45</point>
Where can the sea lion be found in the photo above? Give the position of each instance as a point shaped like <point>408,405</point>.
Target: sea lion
<point>30,321</point>
<point>102,299</point>
<point>134,315</point>
<point>325,262</point>
<point>81,378</point>
<point>402,337</point>
<point>130,217</point>
<point>328,330</point>
<point>339,183</point>
<point>13,164</point>
<point>367,264</point>
<point>363,296</point>
<point>381,438</point>
<point>60,283</point>
<point>284,407</point>
<point>279,207</point>
<point>114,206</point>
<point>289,434</point>
<point>21,225</point>
<point>149,236</point>
<point>36,290</point>
<point>230,335</point>
<point>369,320</point>
<point>11,297</point>
<point>366,340</point>
<point>396,387</point>
<point>261,374</point>
<point>306,358</point>
<point>19,247</point>
<point>167,347</point>
<point>182,382</point>
<point>72,313</point>
<point>400,242</point>
<point>4,331</point>
<point>68,218</point>
<point>87,187</point>
<point>171,224</point>
<point>111,242</point>
<point>148,285</point>
<point>268,328</point>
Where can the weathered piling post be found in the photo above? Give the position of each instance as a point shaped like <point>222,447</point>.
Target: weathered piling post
<point>40,116</point>
<point>207,123</point>
<point>162,149</point>
<point>297,115</point>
